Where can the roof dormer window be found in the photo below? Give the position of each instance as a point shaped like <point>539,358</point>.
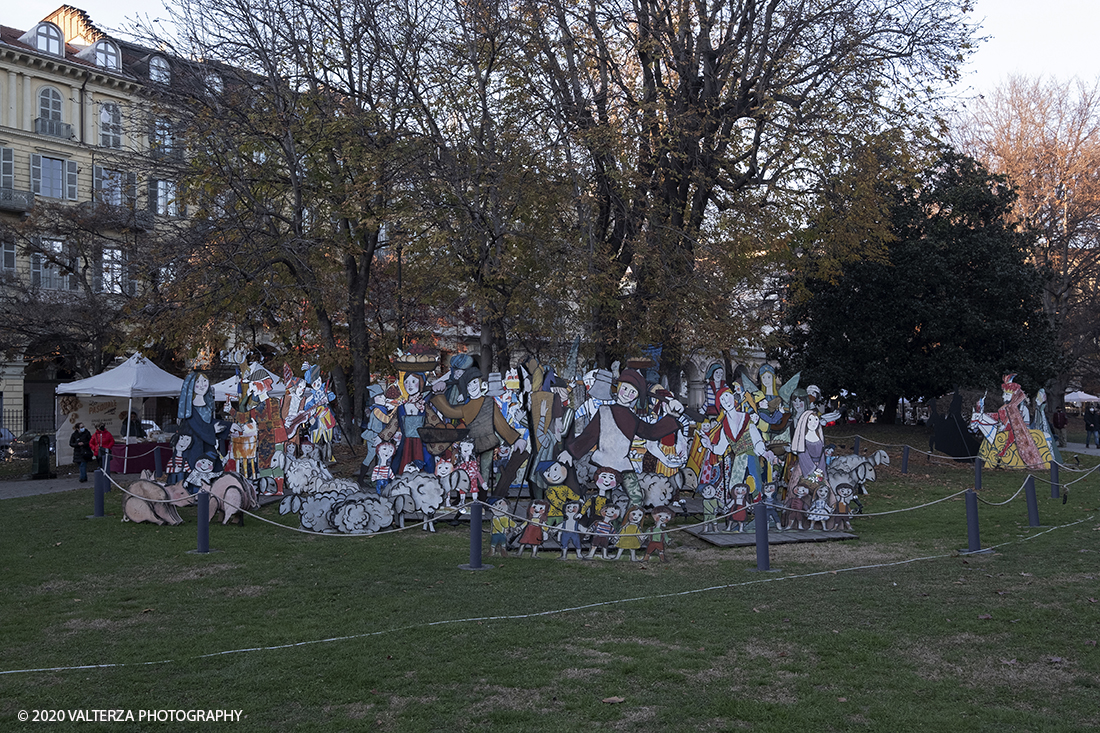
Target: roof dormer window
<point>106,55</point>
<point>48,38</point>
<point>159,71</point>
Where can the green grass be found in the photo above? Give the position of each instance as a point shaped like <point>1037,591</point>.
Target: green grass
<point>896,647</point>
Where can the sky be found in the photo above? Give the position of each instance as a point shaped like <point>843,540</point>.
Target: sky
<point>1052,37</point>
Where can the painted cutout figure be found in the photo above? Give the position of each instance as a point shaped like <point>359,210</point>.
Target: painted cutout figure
<point>501,528</point>
<point>658,537</point>
<point>630,533</point>
<point>533,533</point>
<point>603,529</point>
<point>571,529</point>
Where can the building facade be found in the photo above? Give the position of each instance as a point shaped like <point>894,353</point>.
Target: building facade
<point>76,192</point>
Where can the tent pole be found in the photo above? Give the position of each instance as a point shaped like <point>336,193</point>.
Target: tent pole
<point>129,429</point>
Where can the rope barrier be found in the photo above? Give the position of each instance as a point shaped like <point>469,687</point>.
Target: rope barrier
<point>1006,501</point>
<point>539,614</point>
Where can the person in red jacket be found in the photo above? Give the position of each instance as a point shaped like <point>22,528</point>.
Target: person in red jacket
<point>101,444</point>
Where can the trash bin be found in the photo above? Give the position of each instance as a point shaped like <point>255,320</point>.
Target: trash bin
<point>40,458</point>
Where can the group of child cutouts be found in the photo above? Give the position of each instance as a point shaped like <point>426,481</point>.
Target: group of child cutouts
<point>568,517</point>
<point>808,505</point>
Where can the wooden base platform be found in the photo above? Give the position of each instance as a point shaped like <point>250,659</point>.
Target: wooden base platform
<point>748,537</point>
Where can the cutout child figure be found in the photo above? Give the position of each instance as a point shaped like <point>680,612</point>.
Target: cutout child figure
<point>821,508</point>
<point>768,506</point>
<point>602,530</point>
<point>842,511</point>
<point>606,480</point>
<point>383,472</point>
<point>711,505</point>
<point>571,530</point>
<point>798,502</point>
<point>630,534</point>
<point>377,418</point>
<point>558,492</point>
<point>533,533</point>
<point>658,537</point>
<point>451,481</point>
<point>501,528</point>
<point>177,468</point>
<point>468,462</point>
<point>202,475</point>
<point>738,507</point>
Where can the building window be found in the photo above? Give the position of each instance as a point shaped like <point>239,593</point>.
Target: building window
<point>110,125</point>
<point>49,104</point>
<point>7,258</point>
<point>164,199</point>
<point>48,39</point>
<point>159,71</point>
<point>161,140</point>
<point>106,55</point>
<point>110,187</point>
<point>53,177</point>
<point>113,277</point>
<point>46,270</point>
<point>214,84</point>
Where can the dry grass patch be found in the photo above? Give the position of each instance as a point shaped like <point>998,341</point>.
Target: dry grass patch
<point>199,572</point>
<point>497,697</point>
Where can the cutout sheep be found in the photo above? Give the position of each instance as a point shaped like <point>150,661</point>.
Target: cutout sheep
<point>415,491</point>
<point>856,470</point>
<point>361,513</point>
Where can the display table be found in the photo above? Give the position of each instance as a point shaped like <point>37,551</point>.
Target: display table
<point>137,457</point>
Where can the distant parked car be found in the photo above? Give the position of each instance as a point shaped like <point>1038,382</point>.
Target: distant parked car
<point>150,427</point>
<point>24,444</point>
<point>7,437</point>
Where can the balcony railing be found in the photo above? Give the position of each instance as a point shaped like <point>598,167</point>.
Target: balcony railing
<point>53,128</point>
<point>12,200</point>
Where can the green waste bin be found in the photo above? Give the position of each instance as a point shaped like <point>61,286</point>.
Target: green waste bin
<point>40,457</point>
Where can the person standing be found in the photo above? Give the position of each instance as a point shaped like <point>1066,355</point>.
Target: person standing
<point>1092,427</point>
<point>1060,421</point>
<point>101,444</point>
<point>80,441</point>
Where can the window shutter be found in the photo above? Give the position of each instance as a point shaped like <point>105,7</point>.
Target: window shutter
<point>36,270</point>
<point>7,168</point>
<point>131,190</point>
<point>70,179</point>
<point>36,173</point>
<point>97,275</point>
<point>97,183</point>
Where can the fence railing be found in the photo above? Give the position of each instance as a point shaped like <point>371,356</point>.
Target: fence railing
<point>22,421</point>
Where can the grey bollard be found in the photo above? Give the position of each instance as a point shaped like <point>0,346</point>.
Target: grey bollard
<point>905,459</point>
<point>204,523</point>
<point>157,462</point>
<point>974,542</point>
<point>763,548</point>
<point>475,536</point>
<point>977,474</point>
<point>855,445</point>
<point>99,483</point>
<point>1032,502</point>
<point>1055,488</point>
<point>107,462</point>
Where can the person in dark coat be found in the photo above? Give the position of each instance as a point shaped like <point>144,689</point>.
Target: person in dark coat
<point>80,441</point>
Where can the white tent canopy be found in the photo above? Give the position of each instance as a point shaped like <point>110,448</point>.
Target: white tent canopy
<point>1080,396</point>
<point>135,377</point>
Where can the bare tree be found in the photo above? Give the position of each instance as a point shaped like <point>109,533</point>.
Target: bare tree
<point>1044,136</point>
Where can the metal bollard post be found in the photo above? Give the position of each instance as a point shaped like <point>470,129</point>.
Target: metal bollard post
<point>107,461</point>
<point>905,459</point>
<point>475,539</point>
<point>977,474</point>
<point>99,482</point>
<point>157,462</point>
<point>763,547</point>
<point>1032,502</point>
<point>974,542</point>
<point>855,445</point>
<point>204,523</point>
<point>1055,488</point>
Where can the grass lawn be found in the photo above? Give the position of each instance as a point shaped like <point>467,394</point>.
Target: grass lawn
<point>994,642</point>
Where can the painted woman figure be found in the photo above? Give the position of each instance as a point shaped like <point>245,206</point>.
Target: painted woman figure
<point>196,418</point>
<point>716,380</point>
<point>808,445</point>
<point>410,418</point>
